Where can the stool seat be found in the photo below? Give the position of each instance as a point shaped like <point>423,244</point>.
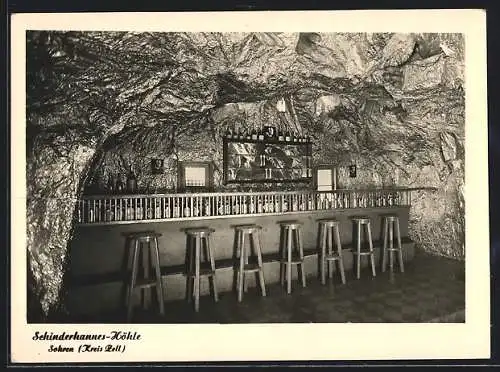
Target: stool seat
<point>361,219</point>
<point>329,222</point>
<point>142,235</point>
<point>247,228</point>
<point>390,217</point>
<point>291,224</point>
<point>200,231</point>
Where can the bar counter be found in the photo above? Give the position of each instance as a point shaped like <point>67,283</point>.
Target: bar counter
<point>98,255</point>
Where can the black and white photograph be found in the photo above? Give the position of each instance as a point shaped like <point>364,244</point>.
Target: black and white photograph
<point>249,178</point>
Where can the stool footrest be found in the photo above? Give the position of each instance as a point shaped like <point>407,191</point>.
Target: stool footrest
<point>145,283</point>
<point>333,257</point>
<point>248,268</point>
<point>203,272</point>
<point>294,261</point>
<point>363,253</point>
<point>394,249</point>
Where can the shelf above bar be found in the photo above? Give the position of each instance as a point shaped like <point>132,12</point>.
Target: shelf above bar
<point>144,208</point>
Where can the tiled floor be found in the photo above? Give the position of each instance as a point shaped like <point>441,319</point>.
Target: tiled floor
<point>431,289</point>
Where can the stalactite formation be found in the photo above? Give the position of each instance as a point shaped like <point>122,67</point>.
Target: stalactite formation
<point>394,103</point>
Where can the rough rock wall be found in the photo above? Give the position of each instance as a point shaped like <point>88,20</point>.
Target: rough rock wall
<point>391,103</point>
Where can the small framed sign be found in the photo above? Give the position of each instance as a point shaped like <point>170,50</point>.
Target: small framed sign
<point>269,132</point>
<point>157,166</point>
<point>352,171</point>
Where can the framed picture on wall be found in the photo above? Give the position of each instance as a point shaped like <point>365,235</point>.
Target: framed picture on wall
<point>195,176</point>
<point>325,177</point>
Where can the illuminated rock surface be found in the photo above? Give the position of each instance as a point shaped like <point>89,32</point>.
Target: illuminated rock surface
<point>97,102</point>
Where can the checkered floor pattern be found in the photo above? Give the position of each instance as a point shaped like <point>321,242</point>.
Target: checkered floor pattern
<point>432,289</point>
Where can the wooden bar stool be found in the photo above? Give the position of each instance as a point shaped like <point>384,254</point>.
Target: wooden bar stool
<point>254,241</point>
<point>196,238</point>
<point>359,222</point>
<point>138,240</point>
<point>328,231</point>
<point>291,231</point>
<point>391,221</point>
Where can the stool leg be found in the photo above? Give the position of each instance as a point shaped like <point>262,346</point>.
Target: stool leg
<point>146,269</point>
<point>358,250</point>
<point>135,262</point>
<point>289,261</point>
<point>130,259</point>
<point>400,247</point>
<point>197,275</point>
<point>258,248</point>
<point>159,282</point>
<point>190,269</point>
<point>372,253</point>
<point>384,247</point>
<point>323,253</point>
<point>283,256</point>
<point>211,258</point>
<point>238,257</point>
<point>245,283</point>
<point>339,250</point>
<point>330,251</point>
<point>301,255</point>
<point>241,272</point>
<point>391,246</point>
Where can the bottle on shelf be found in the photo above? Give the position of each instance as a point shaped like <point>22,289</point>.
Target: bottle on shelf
<point>129,212</point>
<point>131,181</point>
<point>91,214</point>
<point>120,187</point>
<point>139,211</point>
<point>280,136</point>
<point>261,134</point>
<point>111,184</point>
<point>259,206</point>
<point>220,208</point>
<point>166,209</point>
<point>287,136</point>
<point>118,211</point>
<point>206,208</point>
<point>251,205</point>
<point>243,207</point>
<point>241,134</point>
<point>229,133</point>
<point>276,205</point>
<point>150,212</point>
<point>157,209</point>
<point>254,134</point>
<point>176,213</point>
<point>285,205</point>
<point>236,208</point>
<point>249,135</point>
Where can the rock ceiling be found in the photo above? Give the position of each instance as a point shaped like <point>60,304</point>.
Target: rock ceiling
<point>378,94</point>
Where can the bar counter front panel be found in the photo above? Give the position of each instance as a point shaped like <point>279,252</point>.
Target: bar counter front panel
<point>98,254</point>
